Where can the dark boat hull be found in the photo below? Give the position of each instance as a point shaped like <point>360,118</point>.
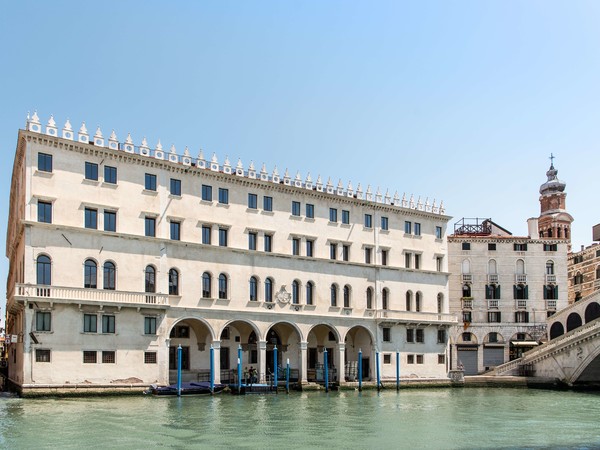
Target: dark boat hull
<point>200,388</point>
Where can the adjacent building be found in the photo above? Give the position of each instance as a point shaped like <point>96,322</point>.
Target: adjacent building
<point>503,287</point>
<point>584,271</point>
<point>121,253</point>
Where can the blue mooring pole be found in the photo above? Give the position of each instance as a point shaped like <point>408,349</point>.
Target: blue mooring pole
<point>239,369</point>
<point>377,367</point>
<point>212,370</point>
<point>397,371</point>
<point>287,376</point>
<point>359,370</point>
<point>179,370</point>
<point>275,365</point>
<point>326,364</point>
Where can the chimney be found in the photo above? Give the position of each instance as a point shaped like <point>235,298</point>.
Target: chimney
<point>532,226</point>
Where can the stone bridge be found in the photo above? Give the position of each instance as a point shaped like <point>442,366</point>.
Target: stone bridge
<point>572,355</point>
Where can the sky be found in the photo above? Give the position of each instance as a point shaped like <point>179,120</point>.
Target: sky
<point>460,101</point>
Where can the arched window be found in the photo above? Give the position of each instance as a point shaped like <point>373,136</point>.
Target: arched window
<point>520,267</point>
<point>223,286</point>
<point>558,232</point>
<point>418,296</point>
<point>408,300</point>
<point>295,292</point>
<point>466,290</point>
<point>369,298</point>
<point>549,234</point>
<point>440,303</point>
<point>598,273</point>
<point>566,233</point>
<point>44,270</point>
<point>110,278</point>
<point>173,282</point>
<point>253,289</point>
<point>346,296</point>
<point>492,267</point>
<point>268,290</point>
<point>206,285</point>
<point>578,279</point>
<point>334,294</point>
<point>549,268</point>
<point>385,299</point>
<point>466,266</point>
<point>309,293</point>
<point>150,281</point>
<point>90,274</point>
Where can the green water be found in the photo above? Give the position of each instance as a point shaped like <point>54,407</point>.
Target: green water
<point>429,418</point>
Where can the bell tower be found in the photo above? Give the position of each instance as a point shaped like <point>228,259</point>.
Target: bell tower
<point>554,221</point>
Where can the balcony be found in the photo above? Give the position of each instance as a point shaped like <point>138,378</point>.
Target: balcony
<point>493,304</point>
<point>521,278</point>
<point>61,294</point>
<point>521,304</point>
<point>492,277</point>
<point>551,305</point>
<point>417,317</point>
<point>596,284</point>
<point>467,302</point>
<point>467,277</point>
<point>550,278</point>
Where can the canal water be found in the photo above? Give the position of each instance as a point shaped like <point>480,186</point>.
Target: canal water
<point>423,418</point>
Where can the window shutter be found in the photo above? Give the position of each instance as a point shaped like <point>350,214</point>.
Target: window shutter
<point>498,292</point>
<point>488,294</point>
<point>545,292</point>
<point>526,296</point>
<point>555,292</point>
<point>515,291</point>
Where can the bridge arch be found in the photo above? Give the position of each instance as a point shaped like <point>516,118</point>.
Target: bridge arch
<point>556,330</point>
<point>573,321</point>
<point>588,370</point>
<point>592,312</point>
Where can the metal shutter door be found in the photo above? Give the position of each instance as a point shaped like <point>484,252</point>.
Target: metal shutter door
<point>493,356</point>
<point>468,358</point>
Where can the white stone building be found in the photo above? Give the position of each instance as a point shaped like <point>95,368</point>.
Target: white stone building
<point>119,253</point>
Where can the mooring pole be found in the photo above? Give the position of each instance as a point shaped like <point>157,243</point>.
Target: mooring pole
<point>212,370</point>
<point>179,370</point>
<point>360,375</point>
<point>377,367</point>
<point>287,376</point>
<point>239,369</point>
<point>397,371</point>
<point>275,365</point>
<point>325,362</point>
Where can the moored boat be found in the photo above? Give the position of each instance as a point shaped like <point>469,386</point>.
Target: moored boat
<point>192,388</point>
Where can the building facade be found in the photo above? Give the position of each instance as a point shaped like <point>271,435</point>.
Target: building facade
<point>503,287</point>
<point>584,272</point>
<point>120,253</point>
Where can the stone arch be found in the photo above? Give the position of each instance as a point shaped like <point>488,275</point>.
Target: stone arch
<point>358,338</point>
<point>288,338</point>
<point>587,361</point>
<point>253,327</point>
<point>489,338</point>
<point>557,329</point>
<point>328,325</point>
<point>592,311</point>
<point>573,321</point>
<point>199,319</point>
<point>291,324</point>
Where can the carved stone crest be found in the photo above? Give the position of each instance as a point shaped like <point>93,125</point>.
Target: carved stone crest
<point>282,295</point>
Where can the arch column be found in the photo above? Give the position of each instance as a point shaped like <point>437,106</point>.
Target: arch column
<point>217,362</point>
<point>342,361</point>
<point>262,360</point>
<point>303,361</point>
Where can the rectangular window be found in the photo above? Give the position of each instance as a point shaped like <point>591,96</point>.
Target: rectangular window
<point>108,324</point>
<point>410,359</point>
<point>268,243</point>
<point>441,336</point>
<point>346,252</point>
<point>410,335</point>
<point>224,196</point>
<point>91,171</point>
<point>384,257</point>
<point>466,246</point>
<point>368,221</point>
<point>310,245</point>
<point>417,233</point>
<point>252,201</point>
<point>108,357</point>
<point>223,237</point>
<point>407,258</point>
<point>494,317</point>
<point>44,162</point>
<point>332,215</point>
<point>90,323</point>
<point>438,232</point>
<point>492,247</point>
<point>149,325</point>
<point>408,227</point>
<point>438,263</point>
<point>550,247</point>
<point>332,251</point>
<point>295,246</point>
<point>206,232</point>
<point>252,237</point>
<point>175,187</point>
<point>345,217</point>
<point>150,358</point>
<point>420,335</point>
<point>89,357</point>
<point>522,316</point>
<point>384,223</point>
<point>387,334</point>
<point>295,208</point>
<point>368,255</point>
<point>520,247</point>
<point>420,359</point>
<point>310,211</point>
<point>441,358</point>
<point>44,212</point>
<point>417,261</point>
<point>43,321</point>
<point>150,182</point>
<point>150,226</point>
<point>207,193</point>
<point>42,355</point>
<point>467,317</point>
<point>91,218</point>
<point>268,203</point>
<point>110,221</point>
<point>175,230</point>
<point>110,174</point>
<point>387,358</point>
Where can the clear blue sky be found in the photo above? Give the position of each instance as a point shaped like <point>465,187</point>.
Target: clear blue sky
<point>456,100</point>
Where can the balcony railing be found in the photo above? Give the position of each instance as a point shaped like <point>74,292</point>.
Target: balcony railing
<point>57,293</point>
<point>521,304</point>
<point>493,304</point>
<point>467,303</point>
<point>596,283</point>
<point>550,278</point>
<point>412,316</point>
<point>521,278</point>
<point>467,277</point>
<point>492,277</point>
<point>551,305</point>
